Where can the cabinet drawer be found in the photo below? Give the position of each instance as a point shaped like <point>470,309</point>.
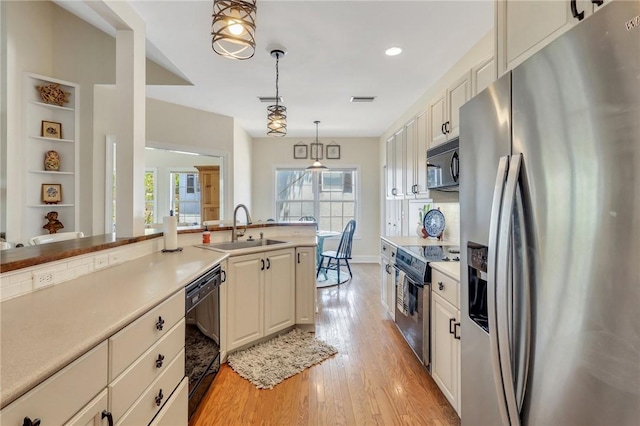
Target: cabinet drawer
<point>91,414</point>
<point>446,287</point>
<point>175,412</point>
<point>130,342</point>
<point>150,402</point>
<point>58,398</point>
<point>135,379</point>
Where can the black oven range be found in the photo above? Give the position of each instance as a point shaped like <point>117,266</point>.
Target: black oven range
<point>413,295</point>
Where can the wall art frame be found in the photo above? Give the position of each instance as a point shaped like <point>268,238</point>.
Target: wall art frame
<point>300,151</point>
<point>51,129</point>
<point>51,193</point>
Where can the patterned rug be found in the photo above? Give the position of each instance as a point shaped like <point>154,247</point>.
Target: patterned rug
<point>331,278</point>
<point>269,363</point>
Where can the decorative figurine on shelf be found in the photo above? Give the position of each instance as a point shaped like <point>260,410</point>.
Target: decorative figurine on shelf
<point>54,225</point>
<point>53,94</point>
<point>52,161</point>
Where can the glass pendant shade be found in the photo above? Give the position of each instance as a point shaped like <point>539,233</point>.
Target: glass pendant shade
<point>233,28</point>
<point>317,166</point>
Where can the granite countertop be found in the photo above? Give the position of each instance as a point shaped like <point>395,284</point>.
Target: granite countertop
<point>43,331</point>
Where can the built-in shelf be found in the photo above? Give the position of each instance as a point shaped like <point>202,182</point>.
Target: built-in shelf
<point>53,139</point>
<point>52,106</point>
<point>36,148</point>
<point>51,172</point>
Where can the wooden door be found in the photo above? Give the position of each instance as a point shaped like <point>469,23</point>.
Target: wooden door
<point>209,192</point>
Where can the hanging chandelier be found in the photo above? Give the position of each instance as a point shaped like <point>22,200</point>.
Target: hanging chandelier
<point>317,165</point>
<point>277,114</point>
<point>233,28</point>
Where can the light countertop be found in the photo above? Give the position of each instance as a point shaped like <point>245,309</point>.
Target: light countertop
<point>451,269</point>
<point>43,331</point>
<point>417,241</point>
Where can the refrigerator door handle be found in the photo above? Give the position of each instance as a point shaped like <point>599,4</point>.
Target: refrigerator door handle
<point>503,305</point>
<point>494,225</point>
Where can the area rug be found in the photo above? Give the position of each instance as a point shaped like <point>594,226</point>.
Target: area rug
<point>267,364</point>
<point>330,278</point>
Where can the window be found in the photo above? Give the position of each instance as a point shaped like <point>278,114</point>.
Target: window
<point>330,197</point>
<point>149,197</point>
<point>185,197</point>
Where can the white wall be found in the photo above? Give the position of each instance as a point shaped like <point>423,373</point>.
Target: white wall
<point>270,153</point>
<point>242,166</point>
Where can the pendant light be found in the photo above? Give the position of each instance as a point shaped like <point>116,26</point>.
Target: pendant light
<point>317,165</point>
<point>233,28</point>
<point>277,114</point>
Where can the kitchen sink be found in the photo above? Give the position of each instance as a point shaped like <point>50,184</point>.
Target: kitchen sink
<point>238,245</point>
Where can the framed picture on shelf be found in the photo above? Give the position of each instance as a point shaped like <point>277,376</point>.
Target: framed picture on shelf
<point>51,193</point>
<point>300,151</point>
<point>316,151</point>
<point>333,151</point>
<point>51,129</point>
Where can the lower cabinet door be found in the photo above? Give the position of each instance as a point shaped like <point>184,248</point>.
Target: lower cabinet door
<point>279,291</point>
<point>245,275</point>
<point>93,414</point>
<point>305,285</point>
<point>175,412</point>
<point>445,348</point>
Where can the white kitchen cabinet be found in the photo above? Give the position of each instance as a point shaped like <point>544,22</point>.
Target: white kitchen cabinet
<point>526,26</point>
<point>61,138</point>
<point>260,295</point>
<point>444,111</point>
<point>388,280</point>
<point>445,336</point>
<point>416,144</point>
<point>93,414</point>
<point>393,218</point>
<point>174,412</point>
<point>482,75</point>
<point>79,383</point>
<point>394,174</point>
<point>305,285</point>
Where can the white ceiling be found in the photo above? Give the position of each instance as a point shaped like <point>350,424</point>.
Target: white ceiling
<point>335,50</point>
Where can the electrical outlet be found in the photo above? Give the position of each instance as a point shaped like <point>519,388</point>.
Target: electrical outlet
<point>42,279</point>
<point>115,258</point>
<point>101,262</point>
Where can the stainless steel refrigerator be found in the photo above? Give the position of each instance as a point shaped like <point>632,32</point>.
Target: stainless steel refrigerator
<point>550,233</point>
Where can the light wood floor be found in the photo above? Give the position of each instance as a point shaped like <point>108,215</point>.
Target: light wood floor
<point>374,378</point>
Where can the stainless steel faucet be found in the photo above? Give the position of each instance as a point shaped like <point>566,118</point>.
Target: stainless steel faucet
<point>234,233</point>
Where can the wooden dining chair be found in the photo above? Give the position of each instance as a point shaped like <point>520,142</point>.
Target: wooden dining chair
<point>342,254</point>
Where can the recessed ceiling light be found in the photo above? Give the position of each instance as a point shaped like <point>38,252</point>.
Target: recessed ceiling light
<point>393,51</point>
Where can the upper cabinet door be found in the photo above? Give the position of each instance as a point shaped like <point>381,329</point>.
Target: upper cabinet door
<point>410,152</point>
<point>422,143</point>
<point>457,95</point>
<point>483,75</point>
<point>390,174</point>
<point>400,156</point>
<point>437,112</point>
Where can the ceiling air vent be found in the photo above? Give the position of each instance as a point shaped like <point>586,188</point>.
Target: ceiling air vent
<point>362,98</point>
<point>270,99</point>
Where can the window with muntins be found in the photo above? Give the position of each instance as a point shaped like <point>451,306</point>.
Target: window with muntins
<point>329,196</point>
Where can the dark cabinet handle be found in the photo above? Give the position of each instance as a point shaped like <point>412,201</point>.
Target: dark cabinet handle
<point>268,263</point>
<point>223,276</point>
<point>574,11</point>
<point>262,262</point>
<point>444,132</point>
<point>109,417</point>
<point>446,127</point>
<point>452,326</point>
<point>597,2</point>
<point>298,257</point>
<point>28,422</point>
<point>159,398</point>
<point>455,331</point>
<point>159,360</point>
<point>454,167</point>
<point>440,285</point>
<point>160,324</point>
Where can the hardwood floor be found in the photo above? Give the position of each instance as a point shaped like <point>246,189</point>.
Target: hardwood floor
<point>374,378</point>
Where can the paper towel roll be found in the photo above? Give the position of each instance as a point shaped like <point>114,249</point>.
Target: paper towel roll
<point>170,230</point>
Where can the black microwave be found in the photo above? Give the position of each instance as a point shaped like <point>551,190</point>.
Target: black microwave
<point>443,166</point>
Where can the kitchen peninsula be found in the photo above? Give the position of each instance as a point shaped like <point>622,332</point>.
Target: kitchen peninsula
<point>49,333</point>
